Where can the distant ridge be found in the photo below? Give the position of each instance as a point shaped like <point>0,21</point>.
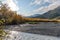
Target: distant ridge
<point>48,15</point>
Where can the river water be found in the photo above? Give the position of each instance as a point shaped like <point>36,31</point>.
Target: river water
<point>42,28</point>
<point>14,35</point>
<point>40,31</point>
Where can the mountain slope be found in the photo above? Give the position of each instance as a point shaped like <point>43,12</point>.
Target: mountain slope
<point>50,14</point>
<point>53,13</point>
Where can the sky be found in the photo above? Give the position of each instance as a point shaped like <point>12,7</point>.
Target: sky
<point>31,7</point>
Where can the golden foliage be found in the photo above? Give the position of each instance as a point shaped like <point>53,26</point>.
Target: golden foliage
<point>9,16</point>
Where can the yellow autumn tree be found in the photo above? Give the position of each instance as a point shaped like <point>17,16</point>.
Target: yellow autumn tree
<point>10,17</point>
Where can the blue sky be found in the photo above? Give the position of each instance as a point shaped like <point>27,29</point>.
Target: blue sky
<point>31,7</point>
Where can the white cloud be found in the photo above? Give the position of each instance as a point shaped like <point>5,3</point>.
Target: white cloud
<point>51,1</point>
<point>40,2</point>
<point>45,9</point>
<point>35,2</point>
<point>25,14</point>
<point>47,0</point>
<point>16,1</point>
<point>12,5</point>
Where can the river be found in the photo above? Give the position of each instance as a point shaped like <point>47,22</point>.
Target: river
<point>42,28</point>
<point>40,31</point>
<point>15,35</point>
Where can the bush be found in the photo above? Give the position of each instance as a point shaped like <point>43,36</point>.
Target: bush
<point>2,32</point>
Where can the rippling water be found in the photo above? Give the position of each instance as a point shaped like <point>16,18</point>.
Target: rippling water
<point>42,28</point>
<point>14,35</point>
<point>34,31</point>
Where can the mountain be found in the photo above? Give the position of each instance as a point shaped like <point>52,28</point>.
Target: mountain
<point>57,17</point>
<point>50,14</point>
<point>33,16</point>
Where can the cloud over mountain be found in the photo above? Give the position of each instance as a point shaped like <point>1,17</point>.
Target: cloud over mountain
<point>54,4</point>
<point>31,7</point>
<point>45,9</point>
